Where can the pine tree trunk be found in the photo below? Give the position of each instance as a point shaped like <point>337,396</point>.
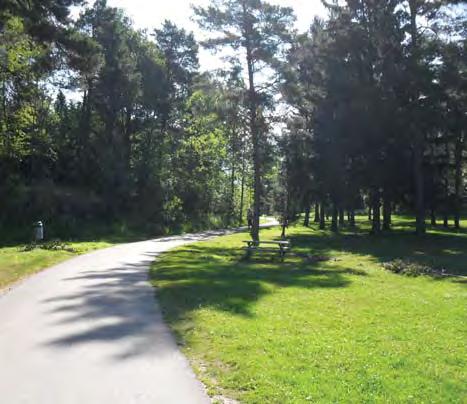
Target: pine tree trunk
<point>316,213</point>
<point>419,197</point>
<point>335,213</point>
<point>433,216</point>
<point>386,213</point>
<point>306,222</point>
<point>322,216</point>
<point>446,200</point>
<point>418,143</point>
<point>341,217</point>
<point>376,208</point>
<point>242,194</point>
<point>352,218</point>
<point>255,141</point>
<point>85,169</point>
<point>458,180</point>
<point>232,194</point>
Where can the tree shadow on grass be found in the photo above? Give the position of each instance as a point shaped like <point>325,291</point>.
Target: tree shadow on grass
<point>439,248</point>
<point>115,306</point>
<point>220,279</point>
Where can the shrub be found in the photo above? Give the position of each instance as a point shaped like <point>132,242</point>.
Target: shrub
<point>406,267</point>
<point>53,245</point>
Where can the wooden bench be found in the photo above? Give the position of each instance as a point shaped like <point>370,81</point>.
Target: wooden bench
<point>283,246</point>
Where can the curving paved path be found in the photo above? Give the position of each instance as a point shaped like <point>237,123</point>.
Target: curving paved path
<point>89,331</point>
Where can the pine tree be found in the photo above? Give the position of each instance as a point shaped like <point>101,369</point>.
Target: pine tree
<point>260,30</point>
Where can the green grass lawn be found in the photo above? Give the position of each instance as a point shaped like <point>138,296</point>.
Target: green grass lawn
<point>16,264</point>
<point>265,331</point>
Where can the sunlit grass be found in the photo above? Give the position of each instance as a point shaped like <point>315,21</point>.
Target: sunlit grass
<point>16,264</point>
<point>344,330</point>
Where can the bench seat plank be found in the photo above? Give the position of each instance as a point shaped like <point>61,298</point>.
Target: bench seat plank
<point>266,249</point>
<point>282,242</point>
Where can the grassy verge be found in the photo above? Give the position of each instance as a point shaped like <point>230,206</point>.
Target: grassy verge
<point>16,264</point>
<point>343,330</point>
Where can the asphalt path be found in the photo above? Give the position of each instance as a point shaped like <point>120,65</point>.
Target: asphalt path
<point>90,331</point>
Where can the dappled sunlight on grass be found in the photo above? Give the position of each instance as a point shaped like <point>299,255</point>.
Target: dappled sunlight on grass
<point>262,330</point>
<point>431,249</point>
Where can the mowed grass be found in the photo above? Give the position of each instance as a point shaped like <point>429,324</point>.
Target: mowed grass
<point>16,264</point>
<point>265,331</point>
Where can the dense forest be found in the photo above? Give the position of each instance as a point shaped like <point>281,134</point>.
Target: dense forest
<point>101,123</point>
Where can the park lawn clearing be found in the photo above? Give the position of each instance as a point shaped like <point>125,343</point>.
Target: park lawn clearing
<point>343,330</point>
<point>16,264</point>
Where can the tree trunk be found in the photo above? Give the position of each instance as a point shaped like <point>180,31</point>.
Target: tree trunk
<point>306,222</point>
<point>84,132</point>
<point>433,216</point>
<point>255,141</point>
<point>386,212</point>
<point>316,213</point>
<point>242,194</point>
<point>419,197</point>
<point>458,180</point>
<point>369,212</point>
<point>418,143</point>
<point>446,199</point>
<point>376,208</point>
<point>335,213</point>
<point>232,194</point>
<point>352,218</point>
<point>341,217</point>
<point>322,216</point>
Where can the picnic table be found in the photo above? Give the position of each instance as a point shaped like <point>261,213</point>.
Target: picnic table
<point>281,246</point>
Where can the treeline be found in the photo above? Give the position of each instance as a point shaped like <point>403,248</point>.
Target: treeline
<point>103,123</point>
<point>145,137</point>
<point>379,93</point>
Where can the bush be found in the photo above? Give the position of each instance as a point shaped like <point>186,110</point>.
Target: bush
<point>409,268</point>
<point>54,245</point>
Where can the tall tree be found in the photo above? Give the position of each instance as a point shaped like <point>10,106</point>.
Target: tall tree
<point>259,30</point>
<point>418,67</point>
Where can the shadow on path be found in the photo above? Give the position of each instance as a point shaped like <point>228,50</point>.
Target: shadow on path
<point>106,302</point>
<point>115,304</point>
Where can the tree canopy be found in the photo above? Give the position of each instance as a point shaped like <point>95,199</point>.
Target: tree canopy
<point>103,123</point>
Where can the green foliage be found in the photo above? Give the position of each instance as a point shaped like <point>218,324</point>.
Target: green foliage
<point>173,212</point>
<point>19,56</point>
<point>370,101</point>
<point>156,143</point>
<point>147,144</point>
